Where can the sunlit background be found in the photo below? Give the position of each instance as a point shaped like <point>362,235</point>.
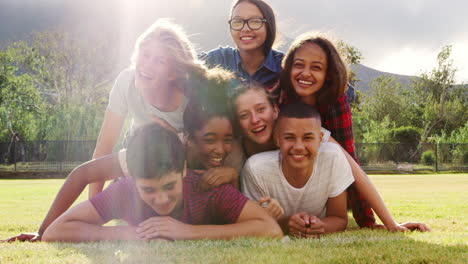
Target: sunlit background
<point>396,36</point>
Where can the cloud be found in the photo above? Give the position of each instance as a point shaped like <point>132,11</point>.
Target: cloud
<point>386,32</point>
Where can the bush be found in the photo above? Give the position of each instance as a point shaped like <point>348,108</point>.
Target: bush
<point>407,135</point>
<point>428,157</point>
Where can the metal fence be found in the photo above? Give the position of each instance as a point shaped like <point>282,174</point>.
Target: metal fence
<point>44,155</point>
<point>377,157</point>
<point>413,157</point>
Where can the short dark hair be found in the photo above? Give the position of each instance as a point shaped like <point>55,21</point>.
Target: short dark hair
<point>336,77</point>
<point>269,15</point>
<point>153,152</point>
<point>209,100</point>
<point>299,110</point>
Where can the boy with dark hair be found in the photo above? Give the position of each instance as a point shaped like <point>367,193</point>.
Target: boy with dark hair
<point>308,178</point>
<point>161,200</point>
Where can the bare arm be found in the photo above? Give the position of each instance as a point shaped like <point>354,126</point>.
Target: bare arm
<point>217,176</point>
<point>102,169</point>
<point>302,225</point>
<point>252,221</point>
<point>108,136</point>
<point>367,189</point>
<point>82,223</point>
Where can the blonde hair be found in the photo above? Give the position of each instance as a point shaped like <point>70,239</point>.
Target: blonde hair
<point>180,50</point>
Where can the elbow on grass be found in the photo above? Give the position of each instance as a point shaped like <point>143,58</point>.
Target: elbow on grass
<point>273,229</point>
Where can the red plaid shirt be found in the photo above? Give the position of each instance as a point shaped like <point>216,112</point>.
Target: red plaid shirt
<point>337,119</point>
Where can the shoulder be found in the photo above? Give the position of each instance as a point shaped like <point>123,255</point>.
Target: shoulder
<point>261,159</point>
<point>262,165</point>
<point>126,75</point>
<point>330,152</point>
<point>192,178</point>
<point>279,55</point>
<point>218,53</point>
<point>329,148</point>
<point>125,79</point>
<point>123,187</point>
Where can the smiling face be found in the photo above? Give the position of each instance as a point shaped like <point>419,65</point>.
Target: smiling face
<point>256,115</point>
<point>164,194</point>
<point>153,70</point>
<point>247,39</point>
<point>308,71</point>
<point>213,142</point>
<point>298,140</point>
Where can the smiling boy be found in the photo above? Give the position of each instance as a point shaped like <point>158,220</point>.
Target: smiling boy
<point>307,177</point>
<point>161,200</point>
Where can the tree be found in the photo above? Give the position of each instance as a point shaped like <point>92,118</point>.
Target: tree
<point>352,56</point>
<point>73,76</point>
<point>438,99</point>
<point>388,98</point>
<point>20,102</point>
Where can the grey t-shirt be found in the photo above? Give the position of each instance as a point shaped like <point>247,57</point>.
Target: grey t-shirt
<point>125,99</point>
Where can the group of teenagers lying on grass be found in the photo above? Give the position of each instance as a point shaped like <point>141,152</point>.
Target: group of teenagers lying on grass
<point>243,141</point>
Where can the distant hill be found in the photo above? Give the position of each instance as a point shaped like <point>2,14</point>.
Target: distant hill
<point>366,75</point>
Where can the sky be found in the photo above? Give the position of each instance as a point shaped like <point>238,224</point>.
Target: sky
<point>398,36</point>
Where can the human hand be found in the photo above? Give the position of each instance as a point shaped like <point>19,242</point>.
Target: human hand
<point>316,227</point>
<point>301,225</point>
<point>272,207</point>
<point>129,233</point>
<point>409,226</point>
<point>215,177</point>
<point>164,227</point>
<point>30,237</point>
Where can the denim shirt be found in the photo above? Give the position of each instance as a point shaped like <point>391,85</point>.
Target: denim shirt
<point>229,58</point>
<point>268,74</point>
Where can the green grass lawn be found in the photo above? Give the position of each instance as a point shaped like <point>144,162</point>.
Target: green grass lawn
<point>441,201</point>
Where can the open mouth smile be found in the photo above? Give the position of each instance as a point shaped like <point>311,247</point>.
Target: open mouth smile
<point>216,161</point>
<point>258,130</point>
<point>145,76</point>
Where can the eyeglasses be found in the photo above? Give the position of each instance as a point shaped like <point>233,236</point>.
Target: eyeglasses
<point>252,23</point>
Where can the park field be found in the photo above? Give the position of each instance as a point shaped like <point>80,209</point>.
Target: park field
<point>440,200</point>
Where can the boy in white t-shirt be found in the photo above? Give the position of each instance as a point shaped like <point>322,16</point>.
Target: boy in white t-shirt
<point>306,177</point>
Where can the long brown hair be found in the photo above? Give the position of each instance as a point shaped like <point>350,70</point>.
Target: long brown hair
<point>336,76</point>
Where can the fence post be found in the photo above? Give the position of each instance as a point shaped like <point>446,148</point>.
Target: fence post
<point>63,154</point>
<point>14,152</point>
<point>436,157</point>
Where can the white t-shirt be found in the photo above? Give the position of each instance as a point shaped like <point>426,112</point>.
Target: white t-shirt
<point>262,176</point>
<point>125,98</point>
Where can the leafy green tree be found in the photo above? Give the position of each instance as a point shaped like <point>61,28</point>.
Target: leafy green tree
<point>441,103</point>
<point>352,56</point>
<point>73,75</point>
<point>388,98</point>
<point>21,105</point>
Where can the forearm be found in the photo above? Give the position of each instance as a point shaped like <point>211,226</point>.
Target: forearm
<point>78,231</point>
<point>251,228</point>
<point>67,195</point>
<point>334,224</point>
<point>103,148</point>
<point>367,189</point>
<point>103,169</point>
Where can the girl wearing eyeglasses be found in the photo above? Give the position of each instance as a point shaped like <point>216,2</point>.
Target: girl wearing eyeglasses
<point>253,30</point>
